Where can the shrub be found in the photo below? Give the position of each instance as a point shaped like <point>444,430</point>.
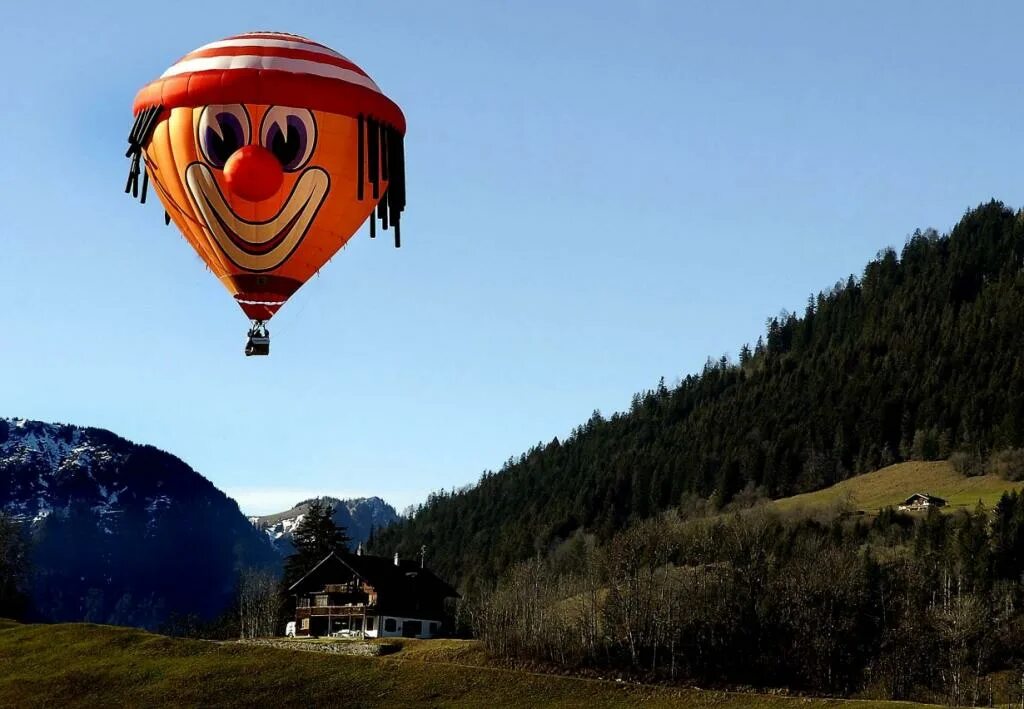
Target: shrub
<point>1008,463</point>
<point>968,463</point>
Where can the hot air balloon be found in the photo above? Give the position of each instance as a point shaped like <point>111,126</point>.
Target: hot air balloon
<point>268,152</point>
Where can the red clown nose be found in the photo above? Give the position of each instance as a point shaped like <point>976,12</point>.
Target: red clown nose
<point>253,173</point>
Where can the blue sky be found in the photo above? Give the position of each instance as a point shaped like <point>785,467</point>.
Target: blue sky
<point>600,194</point>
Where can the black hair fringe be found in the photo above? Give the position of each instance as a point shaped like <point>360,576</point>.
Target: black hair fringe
<point>141,131</point>
<point>384,132</point>
<point>361,160</point>
<point>380,155</point>
<point>373,152</point>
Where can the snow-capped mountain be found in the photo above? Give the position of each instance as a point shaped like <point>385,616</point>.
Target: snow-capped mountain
<point>122,533</point>
<point>52,466</point>
<point>358,516</point>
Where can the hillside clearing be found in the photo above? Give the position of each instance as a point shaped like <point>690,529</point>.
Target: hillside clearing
<point>892,485</point>
<point>82,665</point>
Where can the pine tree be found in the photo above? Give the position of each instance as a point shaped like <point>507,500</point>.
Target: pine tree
<point>14,566</point>
<point>745,355</point>
<point>314,538</point>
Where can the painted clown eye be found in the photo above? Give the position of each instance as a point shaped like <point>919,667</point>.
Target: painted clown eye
<point>290,134</point>
<point>222,130</point>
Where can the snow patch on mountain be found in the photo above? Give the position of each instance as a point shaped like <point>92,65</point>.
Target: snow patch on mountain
<point>278,530</point>
<point>52,465</point>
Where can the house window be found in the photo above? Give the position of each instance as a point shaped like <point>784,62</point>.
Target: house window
<point>389,625</point>
<point>305,623</point>
<point>369,623</point>
<point>433,628</point>
<point>321,600</point>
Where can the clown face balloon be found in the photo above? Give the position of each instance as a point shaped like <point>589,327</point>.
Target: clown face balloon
<point>268,151</point>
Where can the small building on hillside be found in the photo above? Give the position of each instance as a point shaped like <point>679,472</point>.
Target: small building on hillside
<point>370,596</point>
<point>920,501</point>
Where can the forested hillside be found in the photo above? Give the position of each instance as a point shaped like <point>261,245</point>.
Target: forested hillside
<point>918,357</point>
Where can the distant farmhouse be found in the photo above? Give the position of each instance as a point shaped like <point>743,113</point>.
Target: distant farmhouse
<point>369,596</point>
<point>921,501</point>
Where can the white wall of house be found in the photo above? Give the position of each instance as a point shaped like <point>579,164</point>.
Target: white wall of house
<point>388,626</point>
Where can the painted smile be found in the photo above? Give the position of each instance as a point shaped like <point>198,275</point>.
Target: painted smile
<point>257,246</point>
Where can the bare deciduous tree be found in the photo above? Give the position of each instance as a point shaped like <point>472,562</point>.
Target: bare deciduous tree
<point>961,624</point>
<point>258,602</point>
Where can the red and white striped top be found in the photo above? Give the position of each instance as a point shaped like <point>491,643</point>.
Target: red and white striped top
<point>272,50</point>
<point>271,68</point>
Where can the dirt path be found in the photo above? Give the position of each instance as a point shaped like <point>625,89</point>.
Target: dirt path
<point>361,649</point>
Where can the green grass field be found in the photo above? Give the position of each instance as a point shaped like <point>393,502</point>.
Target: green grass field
<point>891,486</point>
<point>82,665</point>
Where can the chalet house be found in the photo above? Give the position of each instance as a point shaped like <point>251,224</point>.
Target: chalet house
<point>370,596</point>
<point>921,501</point>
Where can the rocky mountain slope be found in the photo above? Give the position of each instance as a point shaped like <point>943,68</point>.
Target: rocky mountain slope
<point>358,516</point>
<point>122,533</point>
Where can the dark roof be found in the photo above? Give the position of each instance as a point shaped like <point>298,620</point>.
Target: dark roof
<point>926,497</point>
<point>398,586</point>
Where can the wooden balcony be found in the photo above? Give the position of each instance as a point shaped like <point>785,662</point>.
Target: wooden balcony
<point>347,609</point>
<point>324,600</point>
<point>343,588</point>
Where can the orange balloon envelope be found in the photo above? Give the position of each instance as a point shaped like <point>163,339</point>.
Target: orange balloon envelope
<point>268,151</point>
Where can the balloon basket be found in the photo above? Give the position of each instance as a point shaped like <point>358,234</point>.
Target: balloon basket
<point>259,340</point>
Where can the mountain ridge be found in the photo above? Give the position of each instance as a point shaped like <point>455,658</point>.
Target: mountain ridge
<point>115,526</point>
<point>360,516</point>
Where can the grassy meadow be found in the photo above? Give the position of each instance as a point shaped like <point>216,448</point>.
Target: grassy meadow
<point>83,665</point>
<point>890,486</point>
